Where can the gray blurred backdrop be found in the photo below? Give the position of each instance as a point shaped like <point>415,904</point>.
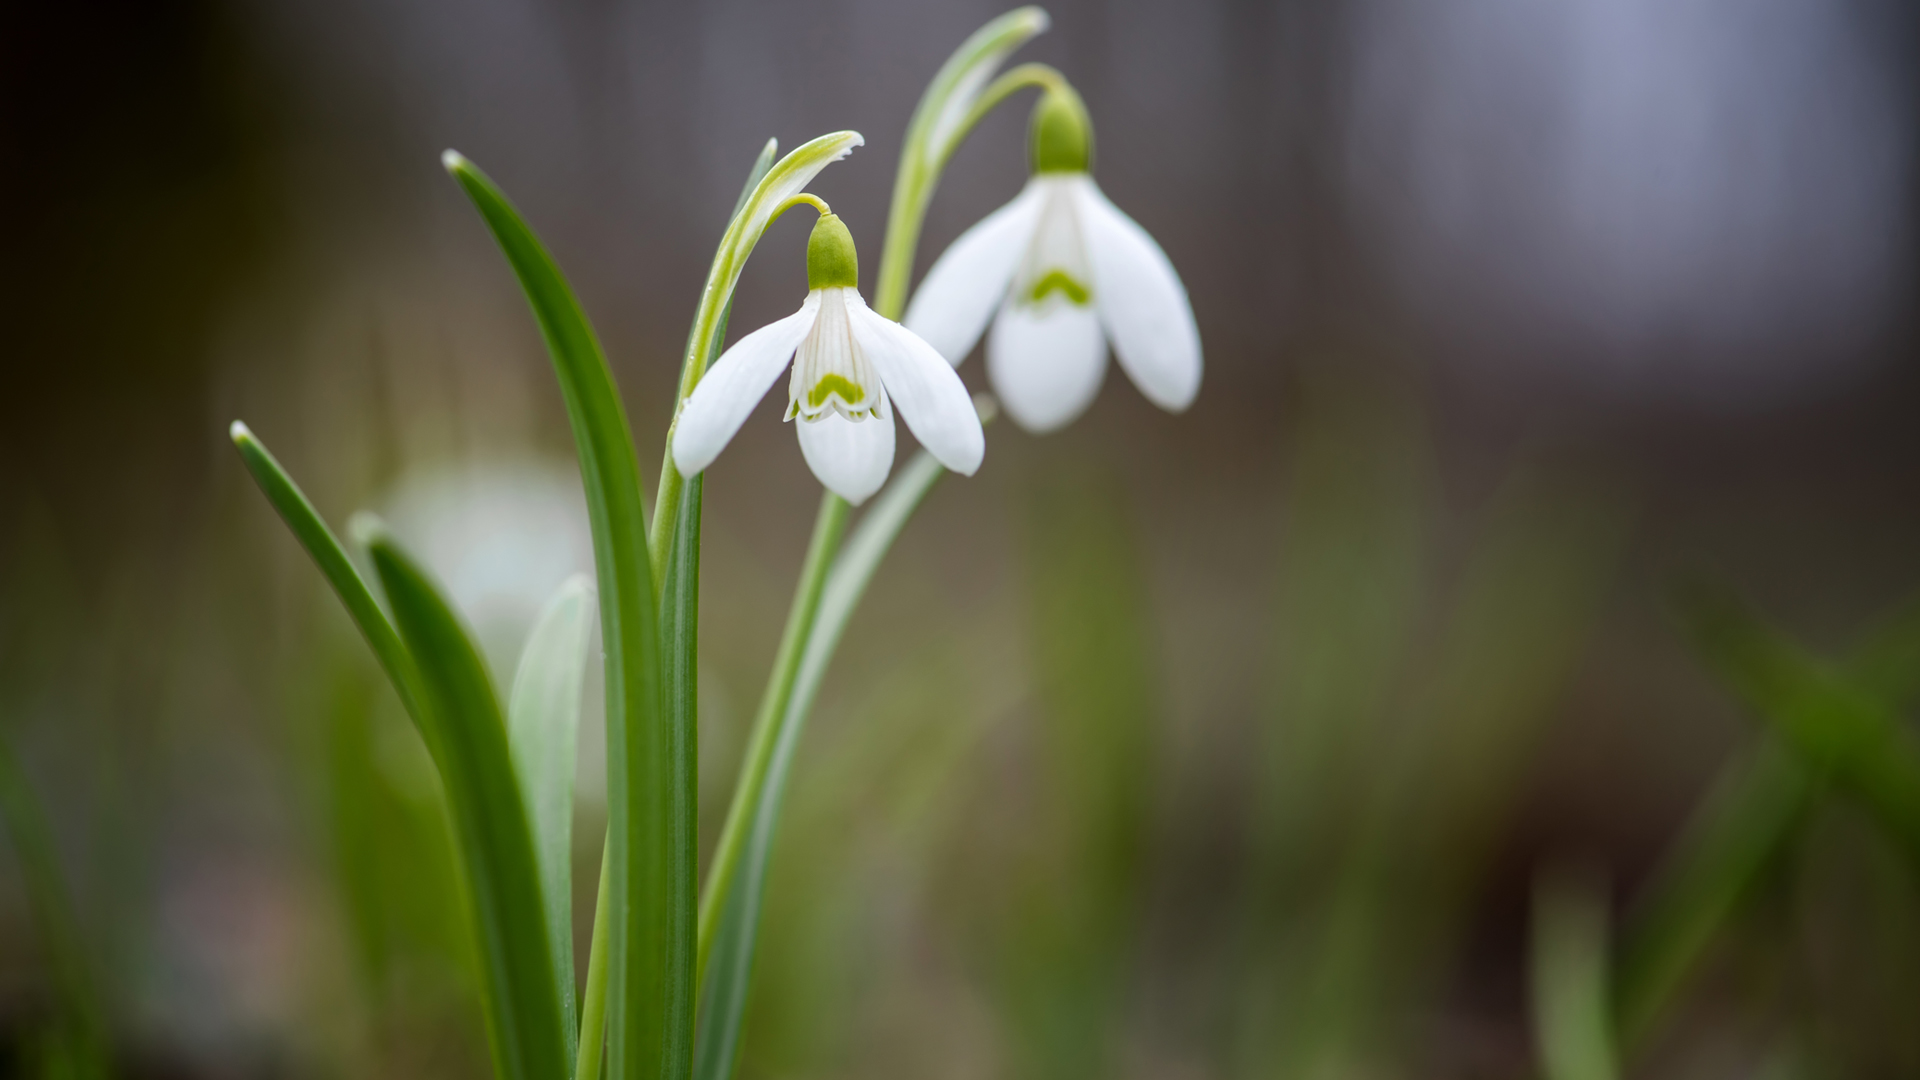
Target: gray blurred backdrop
<point>1515,313</point>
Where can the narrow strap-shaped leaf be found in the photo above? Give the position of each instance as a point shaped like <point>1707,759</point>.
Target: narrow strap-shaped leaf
<point>680,636</point>
<point>327,554</point>
<point>489,818</point>
<point>680,660</point>
<point>650,944</point>
<point>84,1029</point>
<point>1571,1022</point>
<point>1833,726</point>
<point>1724,849</point>
<point>1753,810</point>
<point>735,926</point>
<point>543,725</point>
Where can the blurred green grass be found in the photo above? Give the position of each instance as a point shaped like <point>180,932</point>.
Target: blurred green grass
<point>1012,848</point>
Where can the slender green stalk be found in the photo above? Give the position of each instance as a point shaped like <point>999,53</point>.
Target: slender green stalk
<point>593,1006</point>
<point>747,793</point>
<point>914,192</point>
<point>731,937</point>
<point>948,110</point>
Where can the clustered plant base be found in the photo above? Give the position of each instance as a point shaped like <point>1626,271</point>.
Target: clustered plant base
<point>1060,272</point>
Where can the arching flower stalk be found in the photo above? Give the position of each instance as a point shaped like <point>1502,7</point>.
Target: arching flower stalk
<point>1059,273</point>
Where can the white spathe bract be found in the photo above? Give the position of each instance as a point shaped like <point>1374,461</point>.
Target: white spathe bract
<point>850,369</point>
<point>1060,272</point>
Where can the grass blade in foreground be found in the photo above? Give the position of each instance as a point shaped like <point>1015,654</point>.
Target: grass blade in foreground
<point>1832,725</point>
<point>489,819</point>
<point>1570,1020</point>
<point>729,935</point>
<point>1723,851</point>
<point>650,944</point>
<point>83,1031</point>
<point>543,725</point>
<point>325,550</point>
<point>1743,825</point>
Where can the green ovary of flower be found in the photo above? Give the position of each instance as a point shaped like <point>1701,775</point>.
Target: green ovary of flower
<point>1060,281</point>
<point>832,261</point>
<point>1061,132</point>
<point>832,384</point>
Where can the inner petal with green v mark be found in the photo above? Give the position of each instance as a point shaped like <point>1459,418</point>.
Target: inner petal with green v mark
<point>1063,282</point>
<point>831,384</point>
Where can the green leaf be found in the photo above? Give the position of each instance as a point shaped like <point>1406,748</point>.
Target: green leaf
<point>327,554</point>
<point>82,1034</point>
<point>730,908</point>
<point>1887,663</point>
<point>1755,807</point>
<point>650,944</point>
<point>1570,1019</point>
<point>1735,833</point>
<point>1834,727</point>
<point>680,634</point>
<point>469,745</point>
<point>543,723</point>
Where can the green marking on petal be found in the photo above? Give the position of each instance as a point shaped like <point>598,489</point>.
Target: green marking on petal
<point>830,385</point>
<point>1060,281</point>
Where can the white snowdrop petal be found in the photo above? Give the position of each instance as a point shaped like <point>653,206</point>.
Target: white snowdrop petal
<point>951,308</point>
<point>1142,303</point>
<point>734,384</point>
<point>850,457</point>
<point>932,399</point>
<point>1046,362</point>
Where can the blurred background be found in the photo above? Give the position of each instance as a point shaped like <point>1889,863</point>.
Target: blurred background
<point>1224,745</point>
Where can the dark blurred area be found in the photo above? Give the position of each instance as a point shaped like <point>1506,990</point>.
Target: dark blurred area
<point>1216,745</point>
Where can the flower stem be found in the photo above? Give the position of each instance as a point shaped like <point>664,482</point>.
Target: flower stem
<point>593,1007</point>
<point>827,529</point>
<point>920,169</point>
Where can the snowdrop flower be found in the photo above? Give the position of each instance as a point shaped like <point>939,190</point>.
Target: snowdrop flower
<point>850,368</point>
<point>1060,272</point>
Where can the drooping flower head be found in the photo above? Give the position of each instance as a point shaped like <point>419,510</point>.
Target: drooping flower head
<point>849,368</point>
<point>1060,272</point>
